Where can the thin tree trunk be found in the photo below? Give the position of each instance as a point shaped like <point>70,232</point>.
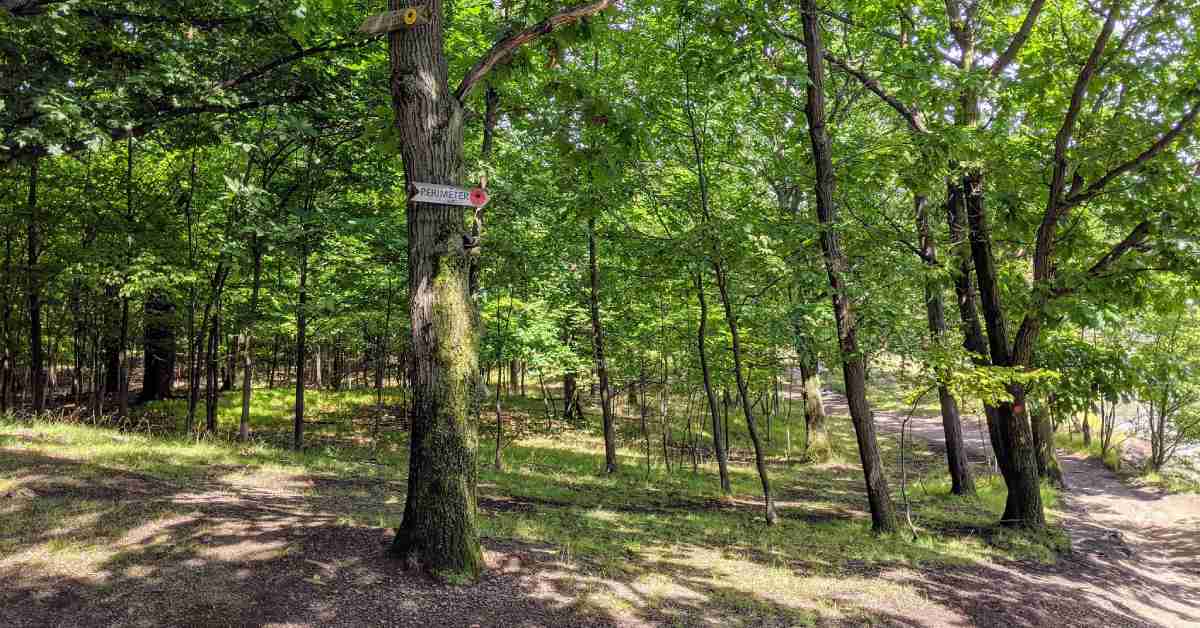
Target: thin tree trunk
<point>719,434</point>
<point>212,364</point>
<point>817,446</point>
<point>961,481</point>
<point>610,439</point>
<point>274,361</point>
<point>571,408</point>
<point>964,289</point>
<point>123,394</point>
<point>36,367</point>
<point>760,462</point>
<point>496,462</point>
<point>247,337</point>
<point>301,333</point>
<point>883,514</point>
<point>7,369</point>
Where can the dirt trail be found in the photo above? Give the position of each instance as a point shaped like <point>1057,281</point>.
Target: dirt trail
<point>1135,551</point>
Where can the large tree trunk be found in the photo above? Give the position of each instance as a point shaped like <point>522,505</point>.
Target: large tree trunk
<point>438,530</point>
<point>158,347</point>
<point>718,433</point>
<point>36,368</point>
<point>883,515</point>
<point>1014,437</point>
<point>610,439</point>
<point>961,481</point>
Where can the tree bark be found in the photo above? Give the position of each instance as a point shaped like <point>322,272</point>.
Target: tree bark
<point>883,514</point>
<point>438,530</point>
<point>158,347</point>
<point>961,481</point>
<point>759,456</point>
<point>36,367</point>
<point>610,439</point>
<point>718,433</point>
<point>1014,436</point>
<point>301,333</point>
<point>818,447</point>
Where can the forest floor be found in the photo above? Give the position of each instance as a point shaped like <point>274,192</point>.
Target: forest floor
<point>101,527</point>
<point>1135,551</point>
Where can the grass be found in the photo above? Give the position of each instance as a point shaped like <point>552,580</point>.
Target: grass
<point>1074,443</point>
<point>1172,480</point>
<point>666,530</point>
<point>1179,476</point>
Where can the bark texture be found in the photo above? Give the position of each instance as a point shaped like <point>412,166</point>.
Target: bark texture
<point>158,347</point>
<point>719,445</point>
<point>438,531</point>
<point>1013,438</point>
<point>961,481</point>
<point>883,513</point>
<point>606,410</point>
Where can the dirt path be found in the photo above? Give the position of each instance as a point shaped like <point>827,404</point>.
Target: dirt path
<point>1135,552</point>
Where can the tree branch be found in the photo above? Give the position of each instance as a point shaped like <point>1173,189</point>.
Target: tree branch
<point>265,68</point>
<point>10,152</point>
<point>1134,239</point>
<point>911,115</point>
<point>1131,241</point>
<point>1018,40</point>
<point>1063,139</point>
<point>505,47</point>
<point>1159,145</point>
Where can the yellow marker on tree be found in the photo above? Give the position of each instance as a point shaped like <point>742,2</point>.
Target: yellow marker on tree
<point>395,20</point>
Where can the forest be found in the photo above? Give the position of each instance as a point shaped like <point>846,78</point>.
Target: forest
<point>621,313</point>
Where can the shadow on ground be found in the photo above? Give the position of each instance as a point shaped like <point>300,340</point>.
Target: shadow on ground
<point>90,545</point>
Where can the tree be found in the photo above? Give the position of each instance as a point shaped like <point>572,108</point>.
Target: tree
<point>883,515</point>
<point>438,530</point>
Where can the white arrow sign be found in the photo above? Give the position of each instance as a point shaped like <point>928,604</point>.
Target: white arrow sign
<point>450,195</point>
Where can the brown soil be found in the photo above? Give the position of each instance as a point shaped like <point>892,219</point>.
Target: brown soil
<point>1135,553</point>
<point>222,553</point>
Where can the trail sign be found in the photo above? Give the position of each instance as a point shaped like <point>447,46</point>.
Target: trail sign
<point>395,20</point>
<point>450,195</point>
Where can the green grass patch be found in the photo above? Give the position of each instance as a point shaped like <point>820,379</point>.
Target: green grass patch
<point>654,523</point>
